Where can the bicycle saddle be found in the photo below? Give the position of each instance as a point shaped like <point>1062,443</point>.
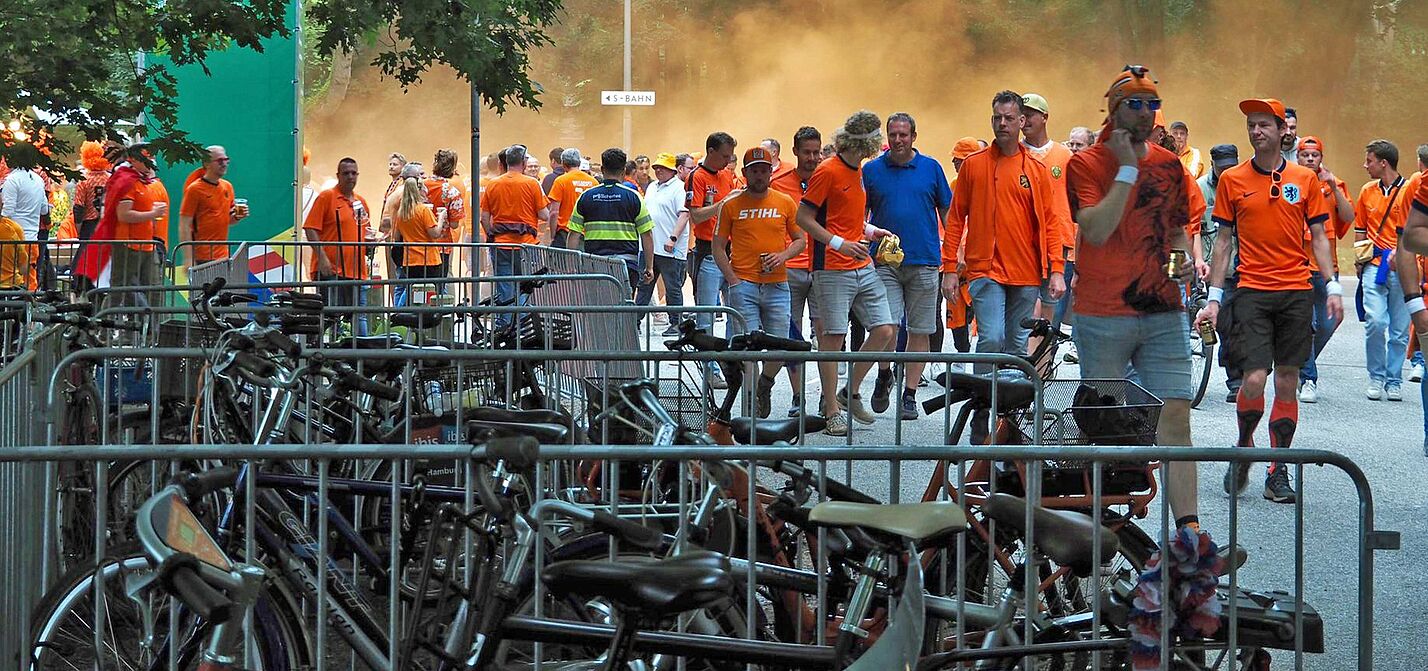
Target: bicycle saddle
<point>413,320</point>
<point>654,589</point>
<point>546,433</point>
<point>913,521</point>
<point>1064,536</point>
<point>386,341</point>
<point>1013,393</point>
<point>770,431</point>
<point>487,413</point>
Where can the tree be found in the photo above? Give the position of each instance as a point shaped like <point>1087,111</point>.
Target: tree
<point>78,61</point>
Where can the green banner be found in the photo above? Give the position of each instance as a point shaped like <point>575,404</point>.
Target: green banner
<point>250,106</point>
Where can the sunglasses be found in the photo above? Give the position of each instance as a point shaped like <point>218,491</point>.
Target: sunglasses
<point>1137,104</point>
<point>1275,178</point>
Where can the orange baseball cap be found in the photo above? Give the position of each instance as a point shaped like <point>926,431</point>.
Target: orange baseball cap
<point>1160,118</point>
<point>1311,142</point>
<point>1268,106</point>
<point>757,154</point>
<point>966,147</point>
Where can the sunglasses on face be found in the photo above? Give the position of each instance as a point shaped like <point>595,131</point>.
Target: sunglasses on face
<point>1275,178</point>
<point>1137,104</point>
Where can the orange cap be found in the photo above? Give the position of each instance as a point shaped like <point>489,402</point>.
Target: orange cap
<point>1268,106</point>
<point>1132,80</point>
<point>757,154</point>
<point>1311,142</point>
<point>1160,118</point>
<point>966,147</point>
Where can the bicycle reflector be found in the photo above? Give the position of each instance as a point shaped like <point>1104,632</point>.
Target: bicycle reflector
<point>890,251</point>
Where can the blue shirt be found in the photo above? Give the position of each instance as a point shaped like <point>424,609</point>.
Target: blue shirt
<point>904,199</point>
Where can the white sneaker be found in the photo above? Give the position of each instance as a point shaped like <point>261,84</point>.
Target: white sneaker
<point>1308,392</point>
<point>1394,393</point>
<point>837,425</point>
<point>1375,390</point>
<point>1416,373</point>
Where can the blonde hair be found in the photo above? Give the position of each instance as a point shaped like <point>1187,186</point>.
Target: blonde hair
<point>413,196</point>
<point>862,132</point>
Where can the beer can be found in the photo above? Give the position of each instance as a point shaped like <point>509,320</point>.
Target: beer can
<point>1179,258</point>
<point>1207,332</point>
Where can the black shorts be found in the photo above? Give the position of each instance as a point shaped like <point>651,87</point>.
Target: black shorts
<point>1271,328</point>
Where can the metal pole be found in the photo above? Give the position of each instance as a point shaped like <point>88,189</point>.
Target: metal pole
<point>628,83</point>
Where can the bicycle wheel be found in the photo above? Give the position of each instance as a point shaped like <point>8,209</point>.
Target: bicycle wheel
<point>1201,357</point>
<point>138,631</point>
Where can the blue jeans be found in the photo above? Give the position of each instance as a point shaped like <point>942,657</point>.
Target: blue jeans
<point>1386,331</point>
<point>1156,345</point>
<point>764,306</point>
<point>505,262</point>
<point>1323,328</point>
<point>1000,310</point>
<point>708,289</point>
<point>671,270</point>
<point>1063,307</point>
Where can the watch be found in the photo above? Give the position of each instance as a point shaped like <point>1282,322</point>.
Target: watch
<point>674,238</point>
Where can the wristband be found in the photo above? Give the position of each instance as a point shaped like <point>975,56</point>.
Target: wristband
<point>1215,295</point>
<point>1415,305</point>
<point>836,243</point>
<point>1333,288</point>
<point>1127,174</point>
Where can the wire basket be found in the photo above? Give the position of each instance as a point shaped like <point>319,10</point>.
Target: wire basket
<point>1093,412</point>
<point>682,401</point>
<point>180,378</point>
<point>538,331</point>
<point>464,383</point>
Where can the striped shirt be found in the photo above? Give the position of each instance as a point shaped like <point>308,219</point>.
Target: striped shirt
<point>612,217</point>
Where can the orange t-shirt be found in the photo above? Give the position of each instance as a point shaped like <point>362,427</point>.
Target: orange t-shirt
<point>335,219</point>
<point>417,228</point>
<point>142,196</point>
<point>1420,197</point>
<point>160,194</point>
<point>1335,228</point>
<point>14,258</point>
<point>835,192</point>
<point>1124,276</point>
<point>1197,206</point>
<point>1004,215</point>
<point>1372,216</point>
<point>514,202</point>
<point>566,190</point>
<point>790,184</point>
<point>697,195</point>
<point>1270,230</point>
<point>757,225</point>
<point>211,206</point>
<point>1056,156</point>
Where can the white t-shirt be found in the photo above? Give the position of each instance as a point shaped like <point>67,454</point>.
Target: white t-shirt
<point>665,200</point>
<point>25,201</point>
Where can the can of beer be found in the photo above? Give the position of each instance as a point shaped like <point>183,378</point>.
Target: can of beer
<point>709,193</point>
<point>1179,258</point>
<point>1207,332</point>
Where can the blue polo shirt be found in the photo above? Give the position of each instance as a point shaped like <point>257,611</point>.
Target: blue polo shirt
<point>904,199</point>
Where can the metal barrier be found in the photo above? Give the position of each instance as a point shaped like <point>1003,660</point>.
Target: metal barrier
<point>1100,461</point>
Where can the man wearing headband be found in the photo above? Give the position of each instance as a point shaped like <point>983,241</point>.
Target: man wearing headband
<point>1341,217</point>
<point>1004,214</point>
<point>1267,203</point>
<point>1413,274</point>
<point>1131,199</point>
<point>1378,216</point>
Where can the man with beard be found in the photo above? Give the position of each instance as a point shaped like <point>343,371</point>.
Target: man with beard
<point>1341,217</point>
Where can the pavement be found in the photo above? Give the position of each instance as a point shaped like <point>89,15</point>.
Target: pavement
<point>1383,438</point>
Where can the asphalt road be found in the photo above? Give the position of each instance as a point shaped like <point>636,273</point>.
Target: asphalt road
<point>1383,438</point>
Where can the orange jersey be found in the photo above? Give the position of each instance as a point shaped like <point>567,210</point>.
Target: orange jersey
<point>514,202</point>
<point>14,257</point>
<point>142,197</point>
<point>790,184</point>
<point>758,225</point>
<point>334,217</point>
<point>1420,197</point>
<point>160,194</point>
<point>1197,206</point>
<point>835,192</point>
<point>706,187</point>
<point>1004,223</point>
<point>417,228</point>
<point>567,189</point>
<point>1056,156</point>
<point>1336,228</point>
<point>1374,216</point>
<point>1271,230</point>
<point>211,206</point>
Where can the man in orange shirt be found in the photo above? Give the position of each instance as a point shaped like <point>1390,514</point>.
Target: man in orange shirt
<point>792,181</point>
<point>1378,216</point>
<point>338,216</point>
<point>1190,157</point>
<point>751,246</point>
<point>705,190</point>
<point>1039,143</point>
<point>1412,276</point>
<point>833,212</point>
<point>1005,214</point>
<point>141,211</point>
<point>1268,202</point>
<point>564,191</point>
<point>1341,217</point>
<point>208,210</point>
<point>445,191</point>
<point>511,212</point>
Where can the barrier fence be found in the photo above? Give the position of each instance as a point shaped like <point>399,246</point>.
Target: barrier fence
<point>1034,471</point>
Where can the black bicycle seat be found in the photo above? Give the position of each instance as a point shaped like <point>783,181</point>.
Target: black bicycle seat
<point>770,431</point>
<point>653,589</point>
<point>1012,393</point>
<point>1064,536</point>
<point>492,414</point>
<point>417,320</point>
<point>546,433</point>
<point>378,342</point>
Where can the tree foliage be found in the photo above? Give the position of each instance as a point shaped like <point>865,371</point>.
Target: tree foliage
<point>78,61</point>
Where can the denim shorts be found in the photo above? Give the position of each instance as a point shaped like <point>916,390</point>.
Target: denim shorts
<point>764,307</point>
<point>860,291</point>
<point>1157,345</point>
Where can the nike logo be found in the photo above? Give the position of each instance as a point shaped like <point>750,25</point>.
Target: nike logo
<point>846,188</point>
<point>1247,194</point>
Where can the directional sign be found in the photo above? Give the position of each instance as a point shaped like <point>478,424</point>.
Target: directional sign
<point>642,98</point>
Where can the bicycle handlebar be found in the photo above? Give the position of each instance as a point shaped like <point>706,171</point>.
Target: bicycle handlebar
<point>199,485</point>
<point>353,380</point>
<point>179,575</point>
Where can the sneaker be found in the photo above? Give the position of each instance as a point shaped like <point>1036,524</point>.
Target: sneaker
<point>1415,374</point>
<point>1237,478</point>
<point>716,379</point>
<point>672,331</point>
<point>837,425</point>
<point>797,408</point>
<point>1233,396</point>
<point>1308,392</point>
<point>1375,390</point>
<point>1393,392</point>
<point>882,390</point>
<point>1070,356</point>
<point>764,399</point>
<point>842,368</point>
<point>908,410</point>
<point>924,380</point>
<point>855,407</point>
<point>1276,485</point>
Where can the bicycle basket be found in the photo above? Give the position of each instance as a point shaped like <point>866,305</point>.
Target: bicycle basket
<point>1093,412</point>
<point>683,402</point>
<point>179,378</point>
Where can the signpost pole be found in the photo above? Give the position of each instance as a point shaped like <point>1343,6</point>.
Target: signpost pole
<point>628,83</point>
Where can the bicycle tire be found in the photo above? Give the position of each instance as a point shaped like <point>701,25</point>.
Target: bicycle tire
<point>62,637</point>
<point>1202,358</point>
